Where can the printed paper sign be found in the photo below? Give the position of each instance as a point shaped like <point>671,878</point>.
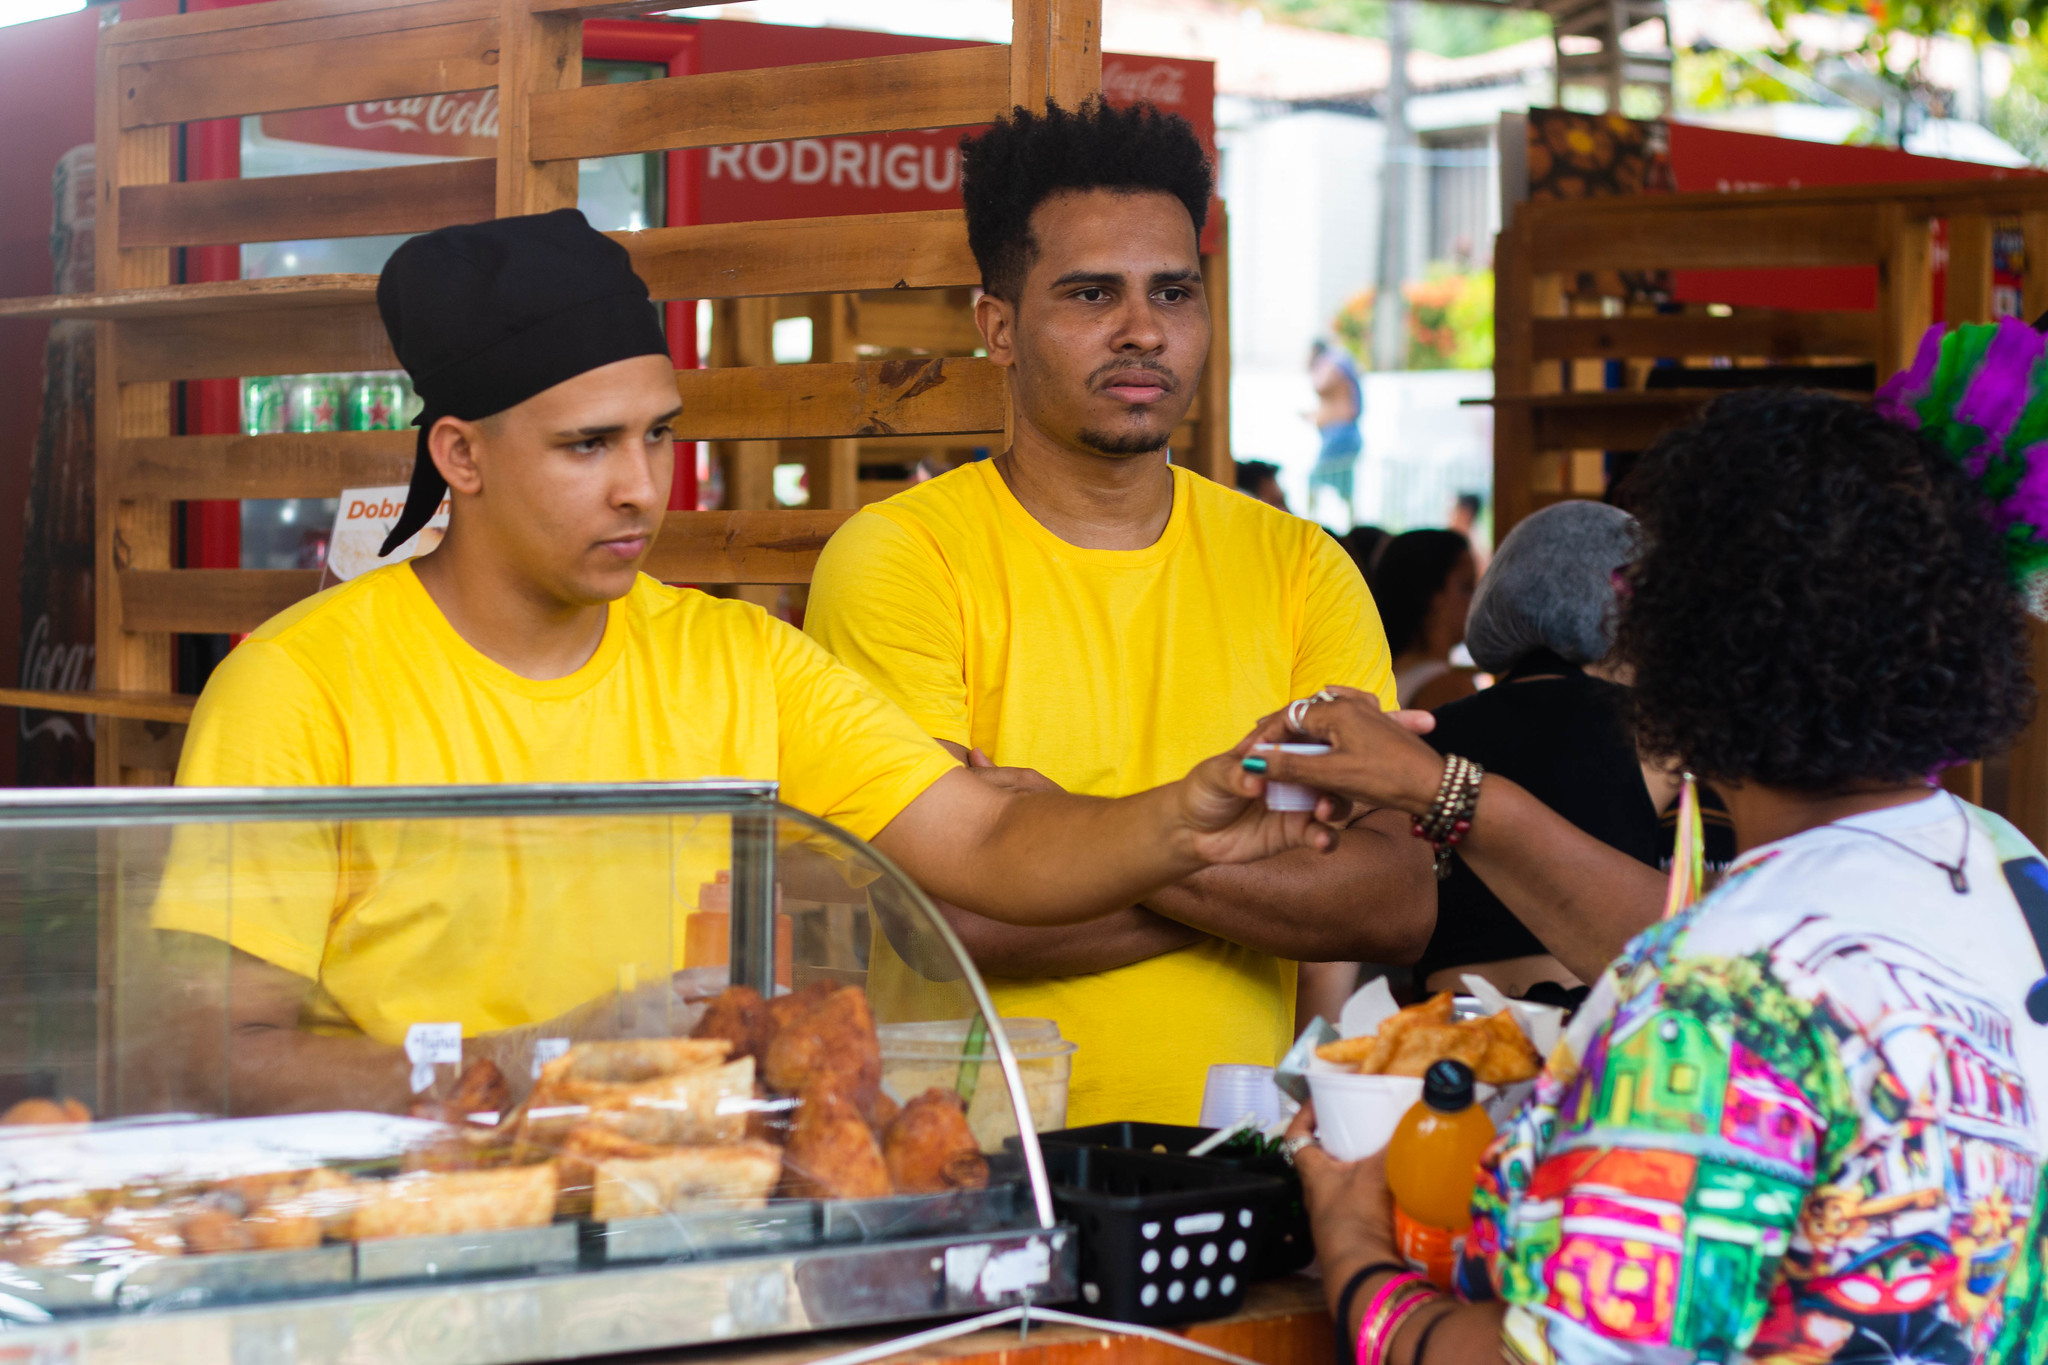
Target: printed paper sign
<point>365,518</point>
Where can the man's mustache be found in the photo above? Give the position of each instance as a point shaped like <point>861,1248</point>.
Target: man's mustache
<point>1168,379</point>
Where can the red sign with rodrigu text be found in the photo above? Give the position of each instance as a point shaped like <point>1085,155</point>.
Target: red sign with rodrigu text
<point>886,172</point>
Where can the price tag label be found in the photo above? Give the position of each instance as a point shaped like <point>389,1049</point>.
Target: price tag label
<point>545,1050</point>
<point>431,1045</point>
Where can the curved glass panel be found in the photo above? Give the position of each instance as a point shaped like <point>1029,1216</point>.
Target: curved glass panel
<point>334,1040</point>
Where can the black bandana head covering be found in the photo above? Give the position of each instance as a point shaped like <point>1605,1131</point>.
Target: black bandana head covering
<point>484,317</point>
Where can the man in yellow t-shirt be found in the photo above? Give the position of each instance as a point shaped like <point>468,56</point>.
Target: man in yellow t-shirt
<point>528,648</point>
<point>1080,607</point>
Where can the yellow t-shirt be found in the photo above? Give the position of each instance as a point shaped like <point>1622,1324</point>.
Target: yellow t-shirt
<point>1110,671</point>
<point>498,923</point>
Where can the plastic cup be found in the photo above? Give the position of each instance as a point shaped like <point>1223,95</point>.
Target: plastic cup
<point>1234,1091</point>
<point>1356,1115</point>
<point>1291,795</point>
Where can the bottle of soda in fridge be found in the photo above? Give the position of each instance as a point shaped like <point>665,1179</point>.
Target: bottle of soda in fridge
<point>1432,1166</point>
<point>376,402</point>
<point>264,404</point>
<point>55,748</point>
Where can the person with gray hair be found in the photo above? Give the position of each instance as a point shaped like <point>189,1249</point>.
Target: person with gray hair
<point>1542,622</point>
<point>1550,587</point>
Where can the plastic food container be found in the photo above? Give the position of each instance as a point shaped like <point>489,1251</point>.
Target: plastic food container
<point>1356,1115</point>
<point>1164,1239</point>
<point>916,1057</point>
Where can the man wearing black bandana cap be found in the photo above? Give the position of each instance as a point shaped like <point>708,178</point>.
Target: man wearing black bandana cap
<point>527,647</point>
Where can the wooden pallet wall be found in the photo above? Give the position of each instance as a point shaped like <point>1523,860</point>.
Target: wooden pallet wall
<point>875,385</point>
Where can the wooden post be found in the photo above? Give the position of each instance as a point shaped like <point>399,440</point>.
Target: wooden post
<point>1905,302</point>
<point>131,533</point>
<point>1212,453</point>
<point>832,339</point>
<point>1969,269</point>
<point>537,53</point>
<point>1055,52</point>
<point>2034,280</point>
<point>1514,427</point>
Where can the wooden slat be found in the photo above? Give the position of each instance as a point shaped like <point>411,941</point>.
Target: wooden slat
<point>285,208</point>
<point>377,66</point>
<point>289,465</point>
<point>2012,193</point>
<point>174,707</point>
<point>280,21</point>
<point>543,56</point>
<point>1734,239</point>
<point>1621,419</point>
<point>188,300</point>
<point>925,250</point>
<point>1055,51</point>
<point>944,89</point>
<point>209,601</point>
<point>933,396</point>
<point>1905,300</point>
<point>741,547</point>
<point>1968,292</point>
<point>284,341</point>
<point>2034,283</point>
<point>618,9</point>
<point>1776,335</point>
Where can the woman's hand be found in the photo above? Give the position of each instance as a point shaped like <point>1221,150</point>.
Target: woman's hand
<point>1375,757</point>
<point>1349,1206</point>
<point>1223,810</point>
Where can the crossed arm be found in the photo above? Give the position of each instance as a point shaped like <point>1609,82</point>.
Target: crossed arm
<point>1371,897</point>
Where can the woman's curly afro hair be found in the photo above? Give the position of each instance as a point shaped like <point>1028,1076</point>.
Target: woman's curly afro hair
<point>1821,602</point>
<point>1022,160</point>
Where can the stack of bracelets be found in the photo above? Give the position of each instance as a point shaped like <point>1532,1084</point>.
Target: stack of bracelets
<point>1403,1295</point>
<point>1449,816</point>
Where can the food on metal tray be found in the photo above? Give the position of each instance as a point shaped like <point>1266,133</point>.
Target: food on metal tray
<point>436,1203</point>
<point>1409,1042</point>
<point>741,1175</point>
<point>740,1016</point>
<point>929,1149</point>
<point>835,1038</point>
<point>832,1153</point>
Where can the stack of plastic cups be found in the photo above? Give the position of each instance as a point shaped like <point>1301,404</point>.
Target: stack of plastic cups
<point>1235,1091</point>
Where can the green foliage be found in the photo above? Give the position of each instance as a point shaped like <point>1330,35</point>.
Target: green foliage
<point>2020,115</point>
<point>1447,30</point>
<point>1450,321</point>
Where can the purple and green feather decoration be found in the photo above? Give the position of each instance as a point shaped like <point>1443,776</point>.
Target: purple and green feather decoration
<point>1981,391</point>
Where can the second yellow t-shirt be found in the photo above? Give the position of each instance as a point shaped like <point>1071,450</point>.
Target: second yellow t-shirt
<point>1110,671</point>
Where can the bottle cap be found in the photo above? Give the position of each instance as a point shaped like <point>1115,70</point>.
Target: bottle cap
<point>1447,1086</point>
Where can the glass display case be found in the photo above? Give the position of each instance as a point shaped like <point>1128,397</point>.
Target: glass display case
<point>495,1074</point>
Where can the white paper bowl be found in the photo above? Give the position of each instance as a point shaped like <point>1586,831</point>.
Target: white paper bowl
<point>1356,1115</point>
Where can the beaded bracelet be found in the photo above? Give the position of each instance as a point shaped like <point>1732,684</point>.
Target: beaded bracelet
<point>1390,1297</point>
<point>1449,816</point>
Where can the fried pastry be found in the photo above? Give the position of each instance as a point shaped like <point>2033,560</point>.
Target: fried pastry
<point>832,1153</point>
<point>929,1149</point>
<point>740,1016</point>
<point>1426,1044</point>
<point>1510,1057</point>
<point>437,1203</point>
<point>833,1039</point>
<point>673,1178</point>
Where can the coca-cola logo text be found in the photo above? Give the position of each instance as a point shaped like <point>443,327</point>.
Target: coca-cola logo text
<point>471,115</point>
<point>1160,84</point>
<point>47,667</point>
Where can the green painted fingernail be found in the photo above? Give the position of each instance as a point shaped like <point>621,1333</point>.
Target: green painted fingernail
<point>1254,764</point>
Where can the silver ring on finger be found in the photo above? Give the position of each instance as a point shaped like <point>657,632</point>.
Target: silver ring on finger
<point>1291,1148</point>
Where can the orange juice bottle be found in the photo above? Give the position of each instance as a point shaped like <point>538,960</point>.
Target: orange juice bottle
<point>1432,1165</point>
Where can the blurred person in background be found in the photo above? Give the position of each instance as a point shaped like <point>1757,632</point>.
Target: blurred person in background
<point>1261,479</point>
<point>1363,544</point>
<point>1423,584</point>
<point>1340,407</point>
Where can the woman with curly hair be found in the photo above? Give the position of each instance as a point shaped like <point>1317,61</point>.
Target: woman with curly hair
<point>1802,1119</point>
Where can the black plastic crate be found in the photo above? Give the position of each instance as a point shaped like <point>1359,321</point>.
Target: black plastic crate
<point>1288,1245</point>
<point>1163,1239</point>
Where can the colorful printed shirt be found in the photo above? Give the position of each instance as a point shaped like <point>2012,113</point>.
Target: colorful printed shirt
<point>1802,1122</point>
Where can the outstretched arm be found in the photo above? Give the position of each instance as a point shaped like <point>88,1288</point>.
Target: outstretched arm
<point>1581,897</point>
<point>1050,858</point>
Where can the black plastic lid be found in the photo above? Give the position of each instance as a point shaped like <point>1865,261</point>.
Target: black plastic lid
<point>1447,1086</point>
